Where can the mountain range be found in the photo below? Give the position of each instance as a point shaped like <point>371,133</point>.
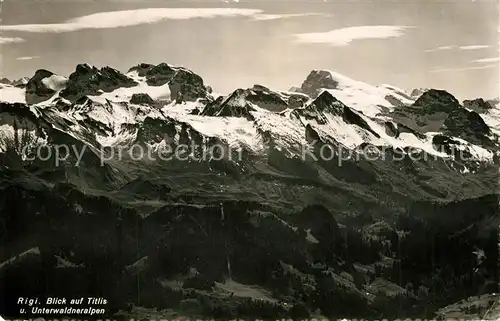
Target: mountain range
<point>336,198</point>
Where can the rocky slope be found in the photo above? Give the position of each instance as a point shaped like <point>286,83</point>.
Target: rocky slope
<point>336,199</point>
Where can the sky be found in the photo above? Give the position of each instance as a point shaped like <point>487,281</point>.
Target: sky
<point>451,45</point>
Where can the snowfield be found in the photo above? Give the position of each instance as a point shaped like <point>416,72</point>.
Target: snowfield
<point>11,94</point>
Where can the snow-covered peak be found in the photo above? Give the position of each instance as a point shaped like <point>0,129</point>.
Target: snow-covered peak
<point>417,92</point>
<point>368,99</point>
<point>241,101</point>
<point>20,82</point>
<point>317,80</point>
<point>401,92</point>
<point>234,105</point>
<point>489,111</point>
<point>83,69</point>
<point>183,84</point>
<point>89,80</point>
<point>435,100</point>
<point>38,88</point>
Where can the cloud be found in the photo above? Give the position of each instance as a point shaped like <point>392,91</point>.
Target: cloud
<point>4,40</point>
<point>490,63</point>
<point>468,47</point>
<point>441,48</point>
<point>126,18</point>
<point>464,69</point>
<point>474,47</point>
<point>486,60</point>
<point>28,58</point>
<point>269,16</point>
<point>343,37</point>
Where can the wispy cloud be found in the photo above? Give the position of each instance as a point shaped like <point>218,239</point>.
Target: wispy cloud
<point>440,48</point>
<point>4,40</point>
<point>489,63</point>
<point>343,37</point>
<point>486,60</point>
<point>464,69</point>
<point>27,58</point>
<point>450,47</point>
<point>474,47</point>
<point>126,18</point>
<point>269,16</point>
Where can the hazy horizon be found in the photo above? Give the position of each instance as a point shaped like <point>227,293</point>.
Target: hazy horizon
<point>444,45</point>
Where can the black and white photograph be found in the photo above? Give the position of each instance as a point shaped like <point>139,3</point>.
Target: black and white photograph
<point>249,160</point>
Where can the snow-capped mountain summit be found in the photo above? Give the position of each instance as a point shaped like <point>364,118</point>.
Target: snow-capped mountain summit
<point>434,100</point>
<point>88,80</point>
<point>20,82</point>
<point>241,101</point>
<point>43,85</point>
<point>184,85</point>
<point>417,92</point>
<point>479,105</point>
<point>371,100</point>
<point>489,110</point>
